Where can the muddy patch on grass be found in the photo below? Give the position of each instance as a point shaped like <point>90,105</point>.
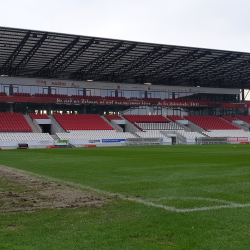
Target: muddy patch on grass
<point>21,191</point>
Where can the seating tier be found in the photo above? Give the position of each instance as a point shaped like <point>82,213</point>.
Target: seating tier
<point>82,122</point>
<point>151,134</point>
<point>94,135</point>
<point>22,94</point>
<point>89,97</point>
<point>175,118</point>
<point>244,118</point>
<point>13,122</point>
<point>51,95</point>
<point>190,134</point>
<point>230,118</point>
<point>38,116</point>
<point>146,118</point>
<point>210,122</point>
<point>116,98</point>
<point>158,126</point>
<point>25,137</point>
<point>227,133</point>
<point>113,117</point>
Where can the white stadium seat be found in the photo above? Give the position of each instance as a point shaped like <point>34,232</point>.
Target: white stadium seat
<point>25,137</point>
<point>94,135</point>
<point>227,133</point>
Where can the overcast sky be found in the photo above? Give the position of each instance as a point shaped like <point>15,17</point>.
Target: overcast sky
<point>216,24</point>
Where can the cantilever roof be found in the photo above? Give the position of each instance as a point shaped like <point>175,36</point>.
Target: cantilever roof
<point>40,54</point>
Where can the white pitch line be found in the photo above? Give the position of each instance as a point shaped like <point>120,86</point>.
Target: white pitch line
<point>185,210</point>
<point>195,198</point>
<point>147,203</point>
<point>168,208</point>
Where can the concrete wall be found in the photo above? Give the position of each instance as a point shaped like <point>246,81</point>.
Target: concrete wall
<point>130,127</point>
<point>194,127</point>
<point>55,127</point>
<point>184,126</point>
<point>37,126</point>
<point>116,126</point>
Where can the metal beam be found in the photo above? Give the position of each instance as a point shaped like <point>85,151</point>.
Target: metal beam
<point>51,65</point>
<point>213,64</point>
<point>7,67</point>
<point>104,61</point>
<point>83,72</point>
<point>165,67</point>
<point>29,55</point>
<point>67,62</point>
<point>111,61</point>
<point>129,69</point>
<point>178,67</point>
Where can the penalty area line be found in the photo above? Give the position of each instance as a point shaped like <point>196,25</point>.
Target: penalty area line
<point>138,200</point>
<point>168,208</point>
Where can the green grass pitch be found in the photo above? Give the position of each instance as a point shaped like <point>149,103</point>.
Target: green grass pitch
<point>161,197</point>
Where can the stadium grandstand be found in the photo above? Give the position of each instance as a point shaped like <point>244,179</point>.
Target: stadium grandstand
<point>70,90</point>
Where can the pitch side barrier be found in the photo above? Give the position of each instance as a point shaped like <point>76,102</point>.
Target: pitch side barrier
<point>146,141</point>
<point>223,140</point>
<point>212,140</point>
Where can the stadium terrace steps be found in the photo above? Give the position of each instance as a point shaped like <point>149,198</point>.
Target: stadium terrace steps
<point>35,128</point>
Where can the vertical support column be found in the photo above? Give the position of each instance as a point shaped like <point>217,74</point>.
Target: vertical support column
<point>49,109</point>
<point>11,89</point>
<point>242,94</point>
<point>11,107</point>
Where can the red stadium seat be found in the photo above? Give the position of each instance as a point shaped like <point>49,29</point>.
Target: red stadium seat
<point>15,122</point>
<point>82,122</point>
<point>211,122</point>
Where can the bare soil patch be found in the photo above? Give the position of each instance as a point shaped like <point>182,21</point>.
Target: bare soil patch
<point>21,191</point>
